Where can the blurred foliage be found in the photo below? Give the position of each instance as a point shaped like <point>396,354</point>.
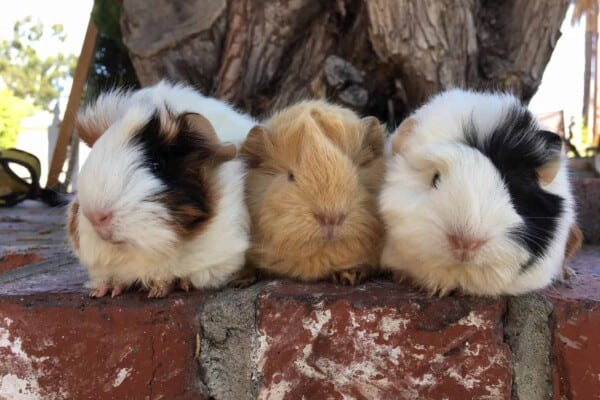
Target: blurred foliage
<point>112,66</point>
<point>12,110</point>
<point>580,139</point>
<point>29,76</point>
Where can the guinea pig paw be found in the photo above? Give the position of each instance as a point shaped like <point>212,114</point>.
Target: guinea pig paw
<point>350,277</point>
<point>184,284</point>
<point>399,277</point>
<point>568,274</point>
<point>99,291</point>
<point>117,290</point>
<point>244,278</point>
<point>160,290</point>
<point>443,292</point>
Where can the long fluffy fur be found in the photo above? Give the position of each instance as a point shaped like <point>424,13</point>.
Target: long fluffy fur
<point>208,260</point>
<point>314,157</point>
<point>472,139</point>
<point>149,246</point>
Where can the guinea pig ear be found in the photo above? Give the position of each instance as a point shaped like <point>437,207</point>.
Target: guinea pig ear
<point>255,145</point>
<point>198,124</point>
<point>553,147</point>
<point>403,132</point>
<point>92,121</point>
<point>90,127</point>
<point>374,135</point>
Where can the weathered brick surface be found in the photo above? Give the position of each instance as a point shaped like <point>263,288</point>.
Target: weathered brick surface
<point>58,275</point>
<point>15,260</point>
<point>284,340</point>
<point>575,325</point>
<point>576,350</point>
<point>56,343</point>
<point>587,195</point>
<point>31,232</point>
<point>71,347</point>
<point>379,341</point>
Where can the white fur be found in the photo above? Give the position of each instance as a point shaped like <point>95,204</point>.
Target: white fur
<point>231,125</point>
<point>444,116</point>
<point>147,249</point>
<point>471,198</point>
<point>207,260</point>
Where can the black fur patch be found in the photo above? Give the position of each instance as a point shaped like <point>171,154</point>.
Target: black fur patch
<point>178,162</point>
<point>517,148</point>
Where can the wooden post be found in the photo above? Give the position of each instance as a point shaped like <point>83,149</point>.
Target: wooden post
<point>68,122</point>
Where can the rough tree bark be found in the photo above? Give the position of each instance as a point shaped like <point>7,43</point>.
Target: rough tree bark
<point>380,57</point>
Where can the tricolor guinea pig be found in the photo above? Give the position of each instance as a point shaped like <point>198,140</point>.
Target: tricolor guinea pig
<point>314,173</point>
<point>477,197</point>
<point>160,200</point>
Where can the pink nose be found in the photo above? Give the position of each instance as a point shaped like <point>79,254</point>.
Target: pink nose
<point>330,224</point>
<point>101,220</point>
<point>464,248</point>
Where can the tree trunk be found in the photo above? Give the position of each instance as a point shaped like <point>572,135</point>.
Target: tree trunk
<point>380,57</point>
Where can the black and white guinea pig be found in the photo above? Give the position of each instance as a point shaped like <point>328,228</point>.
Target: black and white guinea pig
<point>477,197</point>
<point>160,200</point>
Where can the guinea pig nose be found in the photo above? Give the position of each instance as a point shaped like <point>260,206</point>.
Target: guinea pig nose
<point>464,248</point>
<point>330,223</point>
<point>99,217</point>
<point>334,219</point>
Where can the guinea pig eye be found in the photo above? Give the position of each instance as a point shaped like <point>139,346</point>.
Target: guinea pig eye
<point>291,176</point>
<point>154,166</point>
<point>436,180</point>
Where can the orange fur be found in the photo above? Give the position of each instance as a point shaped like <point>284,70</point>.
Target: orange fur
<point>574,242</point>
<point>309,159</point>
<point>89,129</point>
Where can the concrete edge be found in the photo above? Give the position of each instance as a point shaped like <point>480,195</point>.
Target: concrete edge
<point>228,324</point>
<point>528,334</point>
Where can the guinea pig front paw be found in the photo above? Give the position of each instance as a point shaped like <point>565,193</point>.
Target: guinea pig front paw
<point>184,284</point>
<point>158,290</point>
<point>103,289</point>
<point>405,280</point>
<point>245,277</point>
<point>99,291</point>
<point>399,277</point>
<point>568,276</point>
<point>352,276</point>
<point>117,290</point>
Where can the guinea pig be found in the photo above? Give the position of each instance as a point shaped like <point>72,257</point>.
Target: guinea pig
<point>160,200</point>
<point>314,173</point>
<point>476,198</point>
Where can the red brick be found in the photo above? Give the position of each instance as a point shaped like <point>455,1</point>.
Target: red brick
<point>575,330</point>
<point>576,350</point>
<point>69,346</point>
<point>15,260</point>
<point>379,341</point>
<point>587,193</point>
<point>585,285</point>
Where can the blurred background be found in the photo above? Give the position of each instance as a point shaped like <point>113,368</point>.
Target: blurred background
<point>379,57</point>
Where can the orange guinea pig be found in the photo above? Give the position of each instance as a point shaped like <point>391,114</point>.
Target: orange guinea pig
<point>315,170</point>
